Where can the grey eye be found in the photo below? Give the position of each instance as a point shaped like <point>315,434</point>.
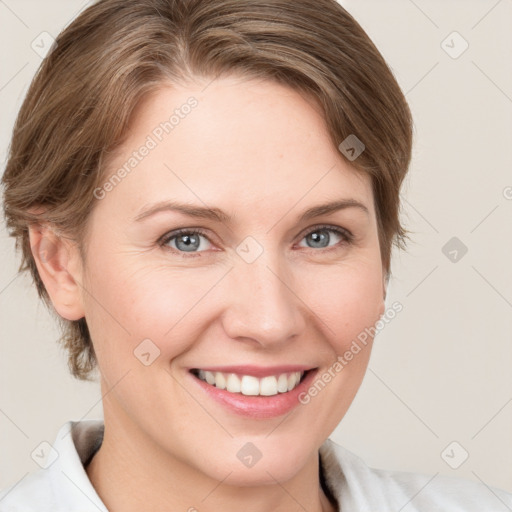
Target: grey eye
<point>320,238</point>
<point>187,241</point>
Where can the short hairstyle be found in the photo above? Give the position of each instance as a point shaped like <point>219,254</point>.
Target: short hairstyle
<point>80,104</point>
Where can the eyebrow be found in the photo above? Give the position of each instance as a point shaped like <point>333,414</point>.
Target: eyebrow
<point>218,215</point>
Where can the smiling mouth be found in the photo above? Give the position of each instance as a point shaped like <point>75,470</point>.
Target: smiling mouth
<point>250,385</point>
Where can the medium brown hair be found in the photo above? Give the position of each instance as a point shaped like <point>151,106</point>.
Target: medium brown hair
<point>79,105</point>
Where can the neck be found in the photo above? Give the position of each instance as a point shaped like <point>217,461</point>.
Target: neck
<point>129,473</point>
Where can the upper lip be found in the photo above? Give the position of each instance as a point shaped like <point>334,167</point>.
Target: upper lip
<point>256,371</point>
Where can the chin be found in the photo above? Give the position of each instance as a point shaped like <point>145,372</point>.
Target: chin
<point>250,468</point>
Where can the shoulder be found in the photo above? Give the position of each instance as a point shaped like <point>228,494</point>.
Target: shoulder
<point>442,492</point>
<point>29,494</point>
<point>360,487</point>
<point>62,485</point>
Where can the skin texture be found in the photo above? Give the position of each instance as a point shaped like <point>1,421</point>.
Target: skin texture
<point>260,152</point>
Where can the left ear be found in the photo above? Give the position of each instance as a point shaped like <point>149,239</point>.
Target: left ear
<point>59,265</point>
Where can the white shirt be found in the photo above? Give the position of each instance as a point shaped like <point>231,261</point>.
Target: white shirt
<point>63,485</point>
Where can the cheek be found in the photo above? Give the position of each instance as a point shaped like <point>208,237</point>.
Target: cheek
<point>132,303</point>
<point>349,300</point>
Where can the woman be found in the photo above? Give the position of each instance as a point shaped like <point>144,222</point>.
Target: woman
<point>207,195</point>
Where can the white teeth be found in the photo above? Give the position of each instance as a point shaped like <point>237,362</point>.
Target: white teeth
<point>210,378</point>
<point>220,380</point>
<point>292,380</point>
<point>250,385</point>
<point>282,383</point>
<point>268,386</point>
<point>233,383</point>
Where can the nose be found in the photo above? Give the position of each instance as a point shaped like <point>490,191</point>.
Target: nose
<point>263,305</point>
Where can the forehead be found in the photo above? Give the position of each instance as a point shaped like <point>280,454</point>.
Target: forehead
<point>250,144</point>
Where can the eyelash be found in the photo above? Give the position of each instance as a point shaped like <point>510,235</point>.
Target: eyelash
<point>346,235</point>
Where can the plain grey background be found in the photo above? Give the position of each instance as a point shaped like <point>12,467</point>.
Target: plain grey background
<point>439,384</point>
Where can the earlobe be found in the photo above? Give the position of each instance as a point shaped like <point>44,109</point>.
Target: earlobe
<point>58,264</point>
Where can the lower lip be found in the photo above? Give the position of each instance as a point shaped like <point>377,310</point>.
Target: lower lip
<point>258,406</point>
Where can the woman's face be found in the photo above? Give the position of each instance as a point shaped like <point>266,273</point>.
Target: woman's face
<point>261,285</point>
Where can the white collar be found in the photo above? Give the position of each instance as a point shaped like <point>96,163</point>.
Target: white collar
<point>65,486</point>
